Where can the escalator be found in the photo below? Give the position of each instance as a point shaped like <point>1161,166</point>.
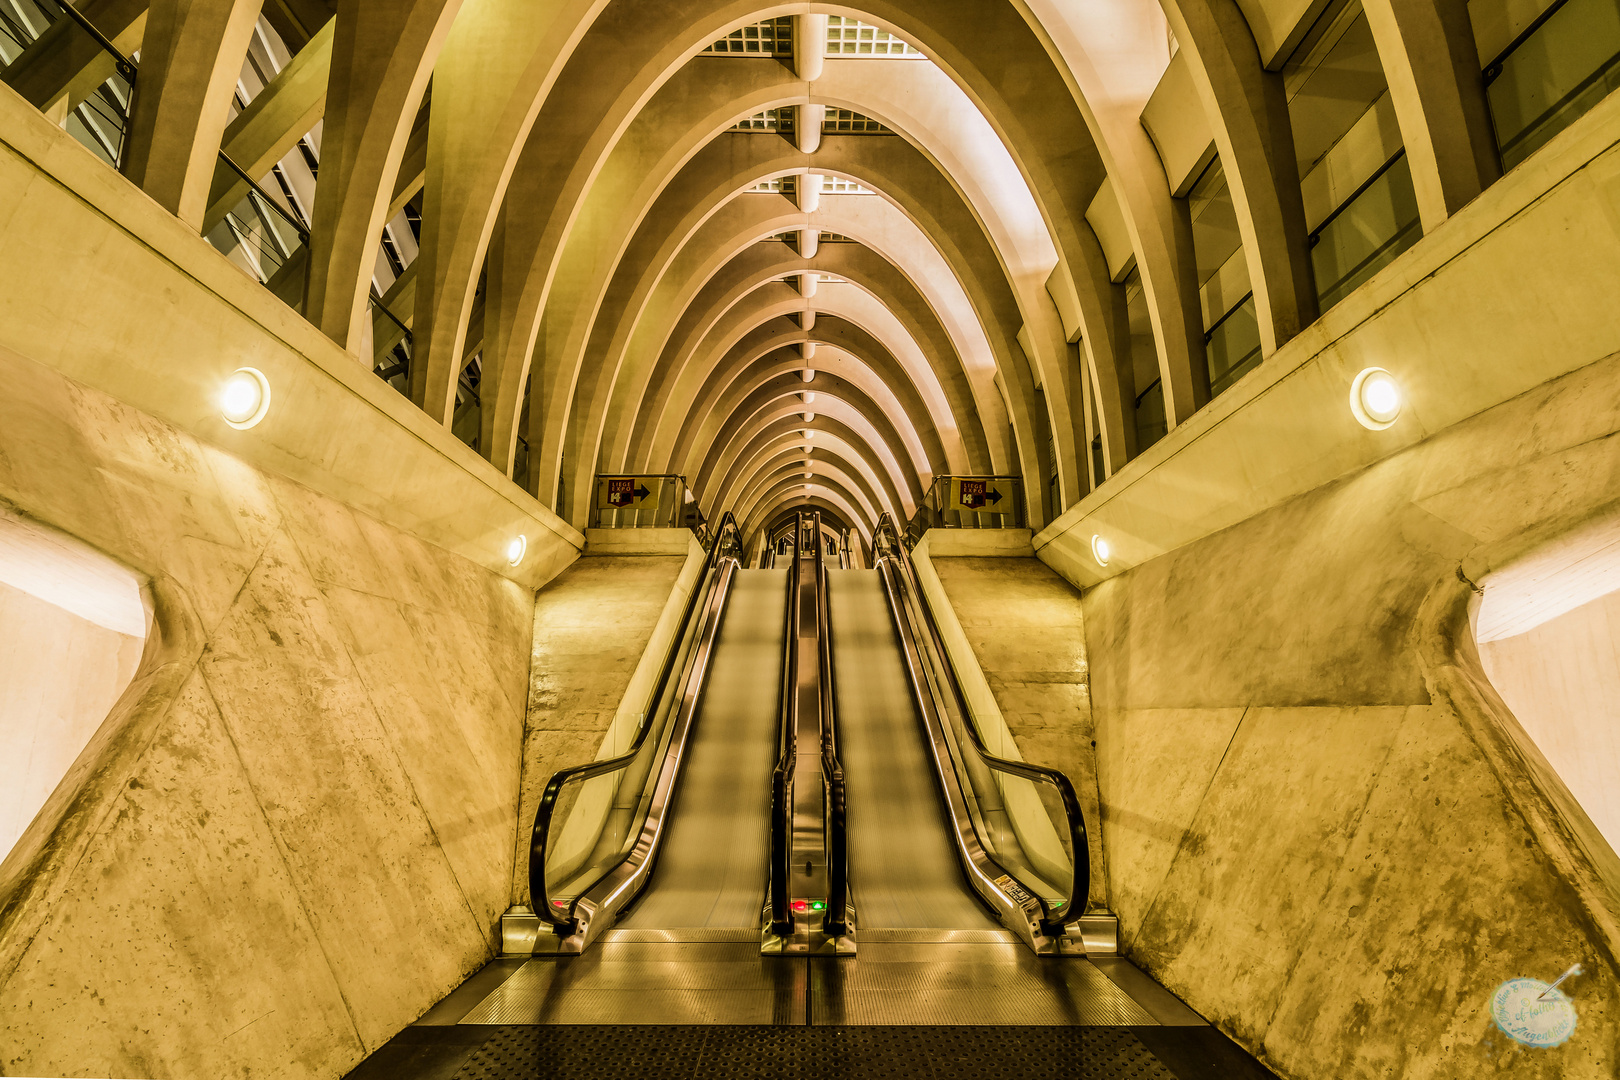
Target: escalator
<point>691,797</point>
<point>807,828</point>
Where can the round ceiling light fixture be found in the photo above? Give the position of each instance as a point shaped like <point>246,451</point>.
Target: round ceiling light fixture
<point>518,548</point>
<point>1100,550</point>
<point>245,398</point>
<point>1375,399</point>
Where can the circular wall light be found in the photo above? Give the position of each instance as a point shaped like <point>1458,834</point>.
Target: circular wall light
<point>1375,399</point>
<point>245,398</point>
<point>517,549</point>
<point>1100,550</point>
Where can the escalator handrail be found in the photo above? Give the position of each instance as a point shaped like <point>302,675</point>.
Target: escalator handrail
<point>836,921</point>
<point>540,898</point>
<point>1080,887</point>
<point>781,903</point>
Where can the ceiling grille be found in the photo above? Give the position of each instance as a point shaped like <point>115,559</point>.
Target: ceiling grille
<point>849,37</point>
<point>837,185</point>
<point>780,120</point>
<point>845,122</point>
<point>773,37</point>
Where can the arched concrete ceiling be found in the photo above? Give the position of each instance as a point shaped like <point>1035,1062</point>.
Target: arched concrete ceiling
<point>580,158</point>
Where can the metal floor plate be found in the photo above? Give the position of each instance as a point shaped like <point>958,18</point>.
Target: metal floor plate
<point>966,984</point>
<point>639,982</point>
<point>566,1053</point>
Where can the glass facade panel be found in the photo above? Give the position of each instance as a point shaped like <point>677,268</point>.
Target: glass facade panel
<point>1553,74</point>
<point>1233,346</point>
<point>1366,233</point>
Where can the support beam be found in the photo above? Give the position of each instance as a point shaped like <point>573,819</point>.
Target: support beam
<point>1433,68</point>
<point>191,56</point>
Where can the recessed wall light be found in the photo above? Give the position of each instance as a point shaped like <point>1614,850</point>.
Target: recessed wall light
<point>244,398</point>
<point>1375,399</point>
<point>517,549</point>
<point>1100,550</point>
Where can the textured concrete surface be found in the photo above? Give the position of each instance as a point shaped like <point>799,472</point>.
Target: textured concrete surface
<point>292,835</point>
<point>1027,630</point>
<point>591,628</point>
<point>1323,830</point>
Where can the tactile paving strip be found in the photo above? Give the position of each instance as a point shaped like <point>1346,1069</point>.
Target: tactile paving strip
<point>779,1053</point>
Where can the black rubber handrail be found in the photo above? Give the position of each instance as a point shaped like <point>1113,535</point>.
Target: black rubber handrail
<point>836,921</point>
<point>539,888</point>
<point>787,752</point>
<point>1080,885</point>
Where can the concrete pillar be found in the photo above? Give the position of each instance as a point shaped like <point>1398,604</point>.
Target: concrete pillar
<point>808,187</point>
<point>383,53</point>
<point>488,86</point>
<point>809,281</point>
<point>809,46</point>
<point>807,349</point>
<point>1427,49</point>
<point>807,127</point>
<point>1248,114</point>
<point>191,56</point>
<point>809,241</point>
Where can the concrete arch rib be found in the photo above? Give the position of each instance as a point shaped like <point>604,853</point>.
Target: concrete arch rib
<point>614,319</point>
<point>693,295</point>
<point>977,69</point>
<point>1112,55</point>
<point>617,67</point>
<point>498,65</point>
<point>1248,115</point>
<point>371,102</point>
<point>783,426</point>
<point>846,355</point>
<point>832,480</point>
<point>784,388</point>
<point>854,473</point>
<point>860,421</point>
<point>909,375</point>
<point>975,303</point>
<point>855,460</point>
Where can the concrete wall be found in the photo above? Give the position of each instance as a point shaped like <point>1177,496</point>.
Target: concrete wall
<point>601,632</point>
<point>1325,831</point>
<point>1026,628</point>
<point>292,835</point>
<point>1562,681</point>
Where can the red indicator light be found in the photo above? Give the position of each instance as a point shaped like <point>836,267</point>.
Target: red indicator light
<point>800,905</point>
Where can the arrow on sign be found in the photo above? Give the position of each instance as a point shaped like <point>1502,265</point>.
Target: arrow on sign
<point>992,496</point>
<point>642,492</point>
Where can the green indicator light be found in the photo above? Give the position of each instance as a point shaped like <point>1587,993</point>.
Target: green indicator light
<point>817,906</point>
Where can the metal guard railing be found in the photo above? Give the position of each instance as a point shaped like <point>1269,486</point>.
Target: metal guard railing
<point>1073,906</point>
<point>725,543</point>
